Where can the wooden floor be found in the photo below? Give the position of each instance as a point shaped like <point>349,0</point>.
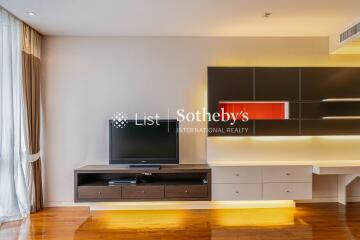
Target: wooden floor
<point>308,221</point>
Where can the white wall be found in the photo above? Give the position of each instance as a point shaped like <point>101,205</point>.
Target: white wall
<point>86,80</point>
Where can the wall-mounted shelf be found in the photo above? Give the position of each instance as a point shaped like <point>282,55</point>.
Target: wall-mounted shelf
<point>341,117</point>
<point>341,100</point>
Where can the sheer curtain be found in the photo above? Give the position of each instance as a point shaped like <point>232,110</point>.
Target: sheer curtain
<point>14,165</point>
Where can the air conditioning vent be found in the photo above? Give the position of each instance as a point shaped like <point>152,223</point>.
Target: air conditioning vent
<point>350,32</point>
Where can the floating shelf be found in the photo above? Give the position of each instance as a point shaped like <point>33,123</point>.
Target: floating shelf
<point>341,100</point>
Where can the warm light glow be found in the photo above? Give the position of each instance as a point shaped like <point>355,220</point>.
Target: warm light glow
<point>339,137</point>
<point>264,138</point>
<point>149,219</point>
<point>287,138</point>
<point>229,213</point>
<point>309,162</point>
<point>349,47</point>
<point>178,205</point>
<point>252,204</point>
<point>254,217</point>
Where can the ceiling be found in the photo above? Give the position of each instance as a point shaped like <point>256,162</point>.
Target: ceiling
<point>186,17</point>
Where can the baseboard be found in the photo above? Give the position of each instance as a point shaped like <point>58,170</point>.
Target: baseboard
<point>328,200</point>
<point>65,204</point>
<point>319,200</point>
<point>353,199</point>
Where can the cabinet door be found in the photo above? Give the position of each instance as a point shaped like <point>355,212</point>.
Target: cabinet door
<point>236,192</point>
<point>277,128</point>
<point>236,174</point>
<point>277,83</point>
<point>330,127</point>
<point>319,83</point>
<point>318,110</point>
<point>229,83</point>
<point>287,174</point>
<point>287,191</point>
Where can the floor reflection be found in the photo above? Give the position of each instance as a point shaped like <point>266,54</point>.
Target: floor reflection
<point>315,221</point>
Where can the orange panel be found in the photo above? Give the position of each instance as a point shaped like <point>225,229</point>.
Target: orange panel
<point>256,110</point>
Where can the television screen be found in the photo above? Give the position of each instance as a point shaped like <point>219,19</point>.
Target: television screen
<point>144,144</point>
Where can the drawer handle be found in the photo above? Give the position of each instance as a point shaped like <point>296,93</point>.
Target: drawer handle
<point>287,191</point>
<point>142,191</point>
<point>237,175</point>
<point>186,191</point>
<point>237,192</point>
<point>288,174</point>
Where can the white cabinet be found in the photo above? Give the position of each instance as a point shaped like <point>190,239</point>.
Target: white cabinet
<point>261,183</point>
<point>236,175</point>
<point>231,191</point>
<point>287,174</point>
<point>287,191</point>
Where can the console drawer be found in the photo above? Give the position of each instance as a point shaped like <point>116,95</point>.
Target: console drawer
<point>230,192</point>
<point>142,192</point>
<point>287,191</point>
<point>236,174</point>
<point>186,191</point>
<point>287,174</point>
<point>99,192</point>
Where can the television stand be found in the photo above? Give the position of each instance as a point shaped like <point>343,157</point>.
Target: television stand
<point>183,182</point>
<point>144,166</point>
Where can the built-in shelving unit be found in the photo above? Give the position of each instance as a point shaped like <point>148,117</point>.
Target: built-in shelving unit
<point>322,100</point>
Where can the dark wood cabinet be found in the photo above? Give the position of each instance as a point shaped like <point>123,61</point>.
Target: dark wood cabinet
<point>319,110</point>
<point>226,129</point>
<point>277,83</point>
<point>328,127</point>
<point>137,191</point>
<point>100,193</point>
<point>186,191</point>
<point>188,182</point>
<point>313,93</point>
<point>229,83</point>
<point>319,83</point>
<point>277,128</point>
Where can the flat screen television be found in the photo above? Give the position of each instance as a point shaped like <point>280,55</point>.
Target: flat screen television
<point>144,144</point>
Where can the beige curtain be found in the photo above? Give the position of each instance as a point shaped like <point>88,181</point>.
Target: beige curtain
<point>31,47</point>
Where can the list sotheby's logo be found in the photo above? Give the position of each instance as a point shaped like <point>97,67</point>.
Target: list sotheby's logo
<point>119,119</point>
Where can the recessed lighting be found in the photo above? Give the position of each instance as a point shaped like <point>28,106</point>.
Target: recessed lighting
<point>31,14</point>
<point>267,14</point>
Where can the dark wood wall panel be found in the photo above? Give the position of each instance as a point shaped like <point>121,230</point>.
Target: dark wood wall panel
<point>277,83</point>
<point>318,110</point>
<point>330,127</point>
<point>226,129</point>
<point>294,110</point>
<point>277,128</point>
<point>229,83</point>
<point>319,83</point>
<point>303,87</point>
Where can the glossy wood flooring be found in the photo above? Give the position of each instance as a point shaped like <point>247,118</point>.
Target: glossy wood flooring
<point>308,221</point>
